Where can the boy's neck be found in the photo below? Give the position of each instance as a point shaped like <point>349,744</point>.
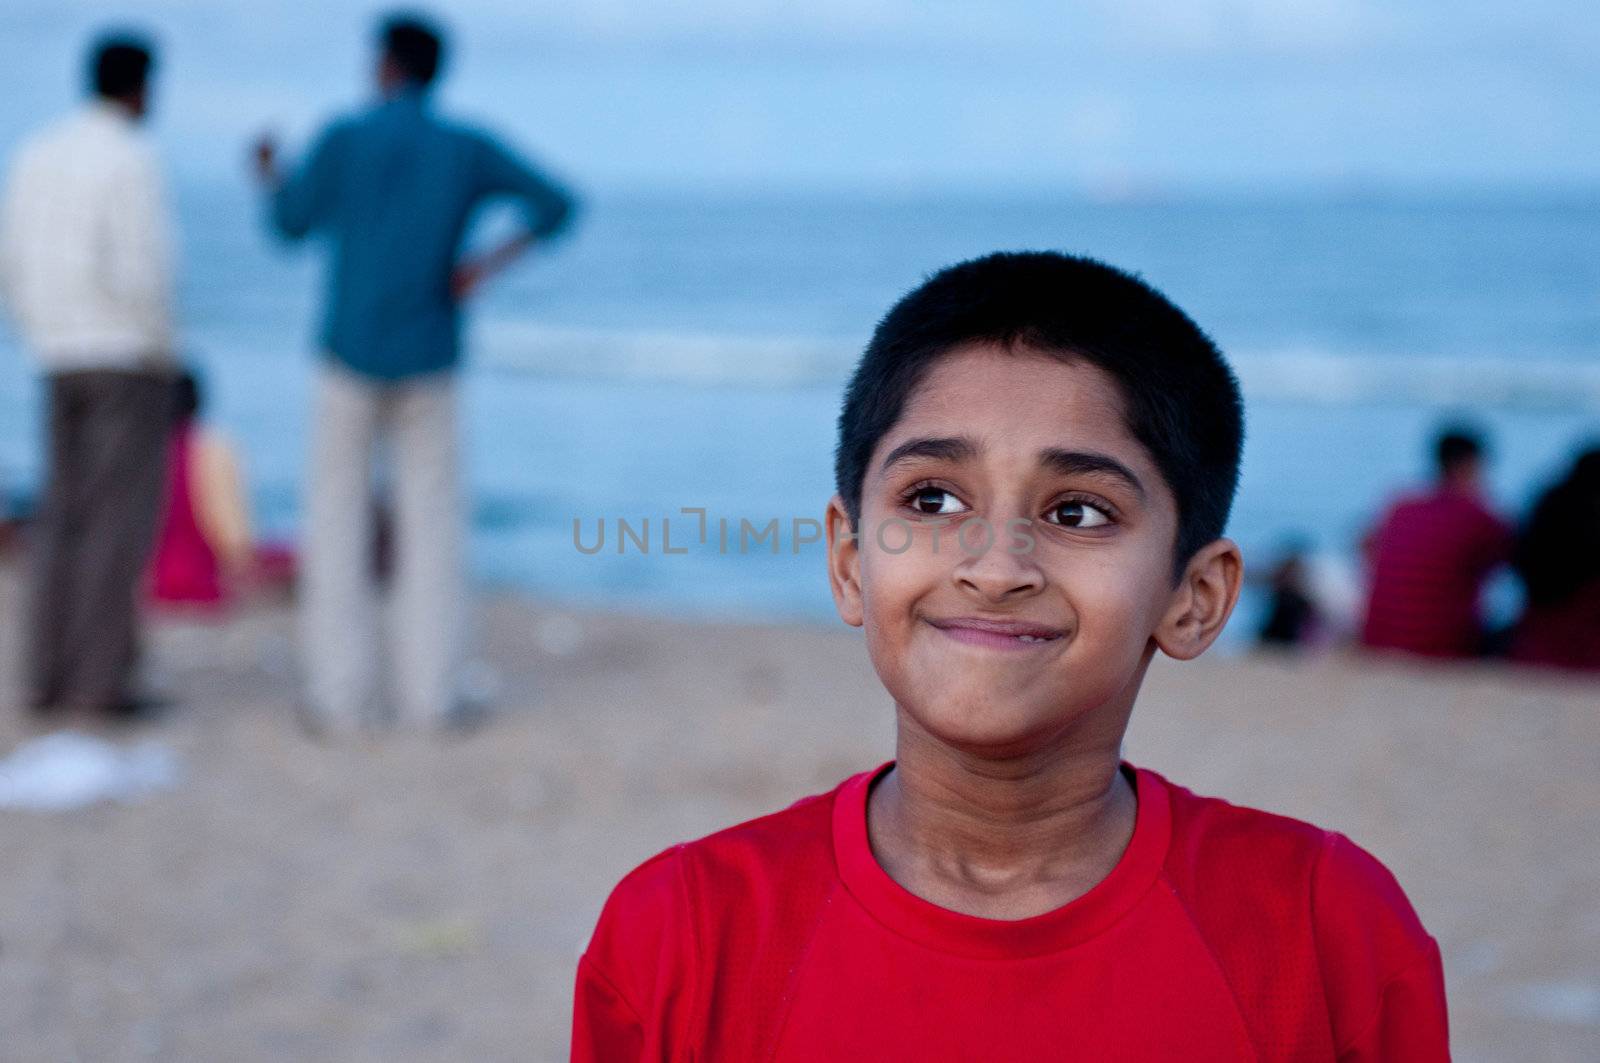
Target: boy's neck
<point>1001,838</point>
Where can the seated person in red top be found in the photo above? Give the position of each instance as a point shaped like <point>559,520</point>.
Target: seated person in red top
<point>1558,557</point>
<point>1429,556</point>
<point>1036,460</point>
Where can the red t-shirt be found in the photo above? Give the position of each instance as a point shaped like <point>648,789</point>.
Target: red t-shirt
<point>1222,934</point>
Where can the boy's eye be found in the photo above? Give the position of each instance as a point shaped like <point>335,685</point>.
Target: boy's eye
<point>935,501</point>
<point>1076,514</point>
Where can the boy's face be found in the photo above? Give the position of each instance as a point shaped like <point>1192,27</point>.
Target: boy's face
<point>1013,645</point>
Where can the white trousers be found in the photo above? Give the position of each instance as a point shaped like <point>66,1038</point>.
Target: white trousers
<point>414,424</point>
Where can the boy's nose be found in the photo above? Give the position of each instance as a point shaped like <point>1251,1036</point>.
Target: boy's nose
<point>996,571</point>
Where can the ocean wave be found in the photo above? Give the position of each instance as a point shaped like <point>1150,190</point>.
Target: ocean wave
<point>1345,379</point>
<point>1283,375</point>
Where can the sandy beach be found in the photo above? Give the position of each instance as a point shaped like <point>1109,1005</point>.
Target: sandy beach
<point>413,898</point>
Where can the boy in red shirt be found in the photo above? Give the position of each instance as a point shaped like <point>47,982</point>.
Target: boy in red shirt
<point>1037,455</point>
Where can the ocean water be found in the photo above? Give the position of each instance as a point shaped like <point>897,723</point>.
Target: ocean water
<point>687,352</point>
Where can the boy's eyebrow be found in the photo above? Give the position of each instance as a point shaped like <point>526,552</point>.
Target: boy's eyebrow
<point>1077,462</point>
<point>948,448</point>
<point>1063,461</point>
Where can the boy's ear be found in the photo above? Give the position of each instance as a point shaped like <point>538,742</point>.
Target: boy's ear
<point>1202,601</point>
<point>844,563</point>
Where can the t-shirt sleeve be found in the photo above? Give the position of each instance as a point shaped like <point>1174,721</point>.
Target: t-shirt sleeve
<point>1381,970</point>
<point>635,979</point>
<point>605,1025</point>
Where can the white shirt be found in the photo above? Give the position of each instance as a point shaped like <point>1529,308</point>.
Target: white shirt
<point>86,259</point>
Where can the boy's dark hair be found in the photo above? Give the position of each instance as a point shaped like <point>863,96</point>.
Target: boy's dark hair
<point>1182,400</point>
<point>119,65</point>
<point>1457,445</point>
<point>414,45</point>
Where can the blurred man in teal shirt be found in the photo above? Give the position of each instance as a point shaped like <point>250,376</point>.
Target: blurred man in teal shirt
<point>393,190</point>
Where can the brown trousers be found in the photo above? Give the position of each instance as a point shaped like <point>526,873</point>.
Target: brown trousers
<point>108,431</point>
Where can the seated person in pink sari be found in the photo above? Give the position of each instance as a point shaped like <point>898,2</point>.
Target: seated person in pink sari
<point>203,551</point>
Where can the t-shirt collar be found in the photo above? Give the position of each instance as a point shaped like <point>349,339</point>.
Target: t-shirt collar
<point>948,931</point>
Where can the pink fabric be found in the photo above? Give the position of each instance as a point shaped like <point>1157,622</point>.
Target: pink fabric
<point>184,568</point>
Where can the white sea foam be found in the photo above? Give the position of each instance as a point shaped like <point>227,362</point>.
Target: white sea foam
<point>1288,375</point>
<point>660,357</point>
<point>1506,383</point>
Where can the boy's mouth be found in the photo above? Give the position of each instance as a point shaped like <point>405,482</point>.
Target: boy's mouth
<point>1000,634</point>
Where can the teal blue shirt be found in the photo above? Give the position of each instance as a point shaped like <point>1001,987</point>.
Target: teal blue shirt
<point>393,190</point>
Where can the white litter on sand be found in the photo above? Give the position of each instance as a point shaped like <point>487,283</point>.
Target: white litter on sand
<point>67,770</point>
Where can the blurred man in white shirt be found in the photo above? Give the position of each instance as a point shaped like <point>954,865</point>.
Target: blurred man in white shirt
<point>86,270</point>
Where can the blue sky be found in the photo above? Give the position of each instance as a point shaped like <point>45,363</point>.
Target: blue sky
<point>1103,96</point>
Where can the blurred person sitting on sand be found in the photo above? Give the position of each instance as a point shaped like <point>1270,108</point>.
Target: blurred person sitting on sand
<point>204,551</point>
<point>1558,558</point>
<point>394,189</point>
<point>1293,618</point>
<point>1430,555</point>
<point>87,268</point>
